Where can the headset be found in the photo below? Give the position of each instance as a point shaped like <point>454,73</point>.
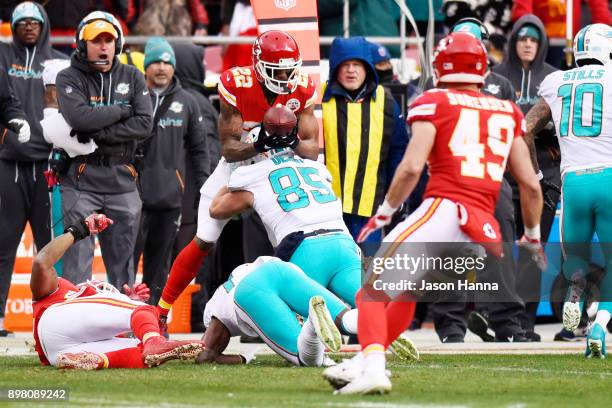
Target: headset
<point>81,44</point>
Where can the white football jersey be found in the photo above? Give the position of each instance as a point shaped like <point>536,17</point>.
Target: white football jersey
<point>291,194</point>
<point>222,306</point>
<point>580,107</point>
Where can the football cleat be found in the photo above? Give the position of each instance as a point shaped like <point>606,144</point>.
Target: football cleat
<point>80,361</point>
<point>323,324</point>
<point>159,350</point>
<point>347,371</point>
<point>366,384</point>
<point>571,315</point>
<point>596,342</point>
<point>405,349</point>
<point>343,373</point>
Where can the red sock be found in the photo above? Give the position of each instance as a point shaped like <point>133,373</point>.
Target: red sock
<point>145,323</point>
<point>184,269</point>
<point>125,358</point>
<point>371,321</point>
<point>399,317</point>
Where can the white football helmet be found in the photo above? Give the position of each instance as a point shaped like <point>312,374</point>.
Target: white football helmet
<point>99,286</point>
<point>594,42</point>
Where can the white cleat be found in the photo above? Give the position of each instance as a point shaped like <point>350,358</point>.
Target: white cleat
<point>405,349</point>
<point>366,384</point>
<point>571,315</point>
<point>343,373</point>
<point>323,324</point>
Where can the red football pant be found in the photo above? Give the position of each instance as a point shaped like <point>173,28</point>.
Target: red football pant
<point>381,322</point>
<point>184,270</point>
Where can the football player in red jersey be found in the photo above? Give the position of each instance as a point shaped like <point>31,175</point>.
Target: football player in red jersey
<point>77,326</point>
<point>246,93</point>
<point>467,139</point>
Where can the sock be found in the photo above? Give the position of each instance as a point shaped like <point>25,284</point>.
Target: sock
<point>371,321</point>
<point>374,359</point>
<point>184,270</point>
<point>124,358</point>
<point>145,323</point>
<point>603,317</point>
<point>310,348</point>
<point>348,322</point>
<point>399,317</point>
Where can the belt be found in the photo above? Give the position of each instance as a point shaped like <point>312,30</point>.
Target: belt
<point>105,159</point>
<point>322,232</point>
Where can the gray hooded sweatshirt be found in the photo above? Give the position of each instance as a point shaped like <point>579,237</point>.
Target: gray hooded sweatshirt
<point>23,67</point>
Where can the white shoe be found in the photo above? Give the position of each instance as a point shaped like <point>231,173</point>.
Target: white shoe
<point>405,349</point>
<point>367,384</point>
<point>323,324</point>
<point>343,373</point>
<point>571,315</point>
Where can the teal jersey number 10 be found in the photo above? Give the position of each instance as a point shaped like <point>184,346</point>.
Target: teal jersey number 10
<point>294,190</point>
<point>572,108</point>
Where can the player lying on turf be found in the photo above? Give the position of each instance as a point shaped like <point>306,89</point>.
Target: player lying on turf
<point>77,326</point>
<point>262,299</point>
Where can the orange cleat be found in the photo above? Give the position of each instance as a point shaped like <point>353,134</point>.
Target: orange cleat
<point>80,361</point>
<point>159,350</point>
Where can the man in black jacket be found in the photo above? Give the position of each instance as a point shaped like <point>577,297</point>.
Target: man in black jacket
<point>178,128</point>
<point>103,100</point>
<point>525,67</point>
<point>23,160</point>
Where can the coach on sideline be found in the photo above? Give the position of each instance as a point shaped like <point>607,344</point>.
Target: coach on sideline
<point>178,128</point>
<point>103,100</point>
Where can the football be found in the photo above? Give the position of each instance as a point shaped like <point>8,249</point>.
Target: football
<point>279,120</point>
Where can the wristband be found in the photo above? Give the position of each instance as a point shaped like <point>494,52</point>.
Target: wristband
<point>533,233</point>
<point>385,209</point>
<point>79,230</point>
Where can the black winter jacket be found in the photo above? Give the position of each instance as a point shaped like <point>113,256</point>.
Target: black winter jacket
<point>178,130</point>
<point>115,109</point>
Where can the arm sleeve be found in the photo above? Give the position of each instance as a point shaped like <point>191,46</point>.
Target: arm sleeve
<point>197,145</point>
<point>199,16</point>
<point>137,127</point>
<point>74,105</point>
<point>243,178</point>
<point>227,89</point>
<point>399,141</point>
<point>547,90</point>
<point>423,108</point>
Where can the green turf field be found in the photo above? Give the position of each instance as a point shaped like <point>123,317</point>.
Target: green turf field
<point>437,380</point>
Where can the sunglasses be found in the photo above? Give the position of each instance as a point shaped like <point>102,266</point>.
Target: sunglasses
<point>28,23</point>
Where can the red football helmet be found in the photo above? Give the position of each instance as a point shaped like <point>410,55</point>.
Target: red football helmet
<point>460,58</point>
<point>274,51</point>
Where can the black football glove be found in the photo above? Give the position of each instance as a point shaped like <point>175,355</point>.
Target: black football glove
<point>266,141</point>
<point>291,140</point>
<point>82,137</point>
<point>549,189</point>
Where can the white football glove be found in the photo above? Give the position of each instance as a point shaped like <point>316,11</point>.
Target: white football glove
<point>22,128</point>
<point>380,219</point>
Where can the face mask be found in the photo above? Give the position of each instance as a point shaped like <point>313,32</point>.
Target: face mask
<point>384,76</point>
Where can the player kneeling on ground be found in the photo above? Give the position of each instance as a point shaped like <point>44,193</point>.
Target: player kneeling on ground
<point>262,299</point>
<point>77,326</point>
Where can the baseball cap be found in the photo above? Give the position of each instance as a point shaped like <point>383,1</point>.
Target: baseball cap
<point>379,53</point>
<point>97,27</point>
<point>529,30</point>
<point>24,10</point>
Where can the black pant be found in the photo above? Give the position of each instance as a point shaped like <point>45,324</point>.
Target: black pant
<point>529,275</point>
<point>24,197</point>
<point>449,310</point>
<point>158,229</point>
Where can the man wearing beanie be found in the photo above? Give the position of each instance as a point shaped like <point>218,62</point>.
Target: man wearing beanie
<point>23,158</point>
<point>178,128</point>
<point>107,102</point>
